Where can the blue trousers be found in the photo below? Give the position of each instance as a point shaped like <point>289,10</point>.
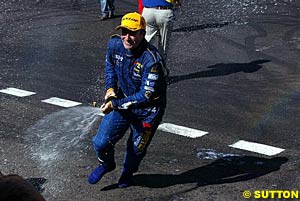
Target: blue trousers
<point>114,126</point>
<point>106,6</point>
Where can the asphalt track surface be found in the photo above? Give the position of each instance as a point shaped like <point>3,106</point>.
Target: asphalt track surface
<point>234,73</point>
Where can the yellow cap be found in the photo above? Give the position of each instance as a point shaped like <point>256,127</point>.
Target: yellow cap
<point>133,22</point>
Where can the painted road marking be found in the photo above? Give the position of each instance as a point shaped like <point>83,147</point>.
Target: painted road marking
<point>17,92</point>
<point>61,102</point>
<point>181,130</point>
<point>166,127</point>
<point>256,147</point>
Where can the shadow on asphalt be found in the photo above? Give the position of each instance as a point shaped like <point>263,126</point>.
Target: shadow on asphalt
<point>228,169</point>
<point>220,69</point>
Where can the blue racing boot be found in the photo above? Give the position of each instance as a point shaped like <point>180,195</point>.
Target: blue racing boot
<point>125,180</point>
<point>99,172</point>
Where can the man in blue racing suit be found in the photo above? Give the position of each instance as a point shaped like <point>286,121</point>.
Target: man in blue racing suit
<point>135,98</point>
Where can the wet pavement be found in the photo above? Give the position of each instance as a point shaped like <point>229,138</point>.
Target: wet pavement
<point>234,73</point>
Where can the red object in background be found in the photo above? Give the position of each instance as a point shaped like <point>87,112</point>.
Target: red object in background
<point>140,6</point>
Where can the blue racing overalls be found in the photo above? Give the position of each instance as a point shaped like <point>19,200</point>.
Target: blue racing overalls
<point>138,77</point>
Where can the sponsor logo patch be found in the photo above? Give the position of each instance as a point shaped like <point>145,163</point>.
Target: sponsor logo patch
<point>118,57</point>
<point>152,76</point>
<point>154,70</point>
<point>149,83</point>
<point>149,88</point>
<point>136,74</point>
<point>138,64</point>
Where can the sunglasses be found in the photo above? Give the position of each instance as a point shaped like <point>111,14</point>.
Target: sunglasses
<point>129,32</point>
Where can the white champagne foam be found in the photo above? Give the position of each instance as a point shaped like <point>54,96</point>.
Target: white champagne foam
<point>59,133</point>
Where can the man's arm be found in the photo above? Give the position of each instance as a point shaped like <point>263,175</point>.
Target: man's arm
<point>148,92</point>
<point>110,80</point>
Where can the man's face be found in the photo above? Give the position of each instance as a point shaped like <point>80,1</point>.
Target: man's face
<point>132,39</point>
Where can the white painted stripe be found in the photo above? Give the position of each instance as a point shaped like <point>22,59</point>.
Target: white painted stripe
<point>181,130</point>
<point>61,102</point>
<point>16,92</point>
<point>256,147</point>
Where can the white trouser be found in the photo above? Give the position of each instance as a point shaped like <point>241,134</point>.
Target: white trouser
<point>159,27</point>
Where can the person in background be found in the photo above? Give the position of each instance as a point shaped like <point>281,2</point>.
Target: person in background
<point>159,16</point>
<point>135,99</point>
<point>140,6</point>
<point>107,9</point>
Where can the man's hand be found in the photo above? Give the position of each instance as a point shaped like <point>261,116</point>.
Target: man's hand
<point>110,93</point>
<point>106,107</point>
